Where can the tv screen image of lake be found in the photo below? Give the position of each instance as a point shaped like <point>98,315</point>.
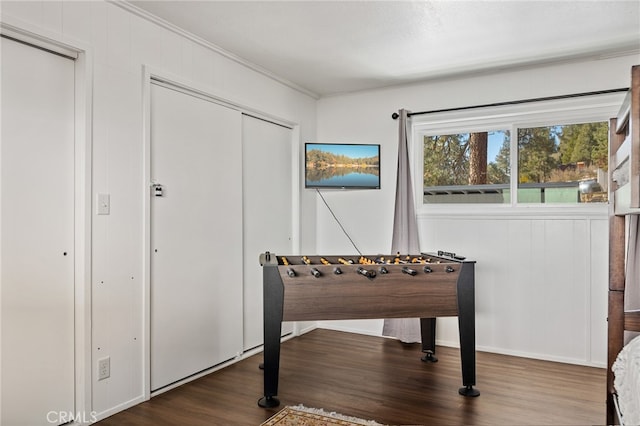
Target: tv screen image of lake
<point>335,168</point>
<point>344,177</point>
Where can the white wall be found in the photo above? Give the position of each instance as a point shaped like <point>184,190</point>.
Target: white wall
<point>540,280</point>
<point>120,43</point>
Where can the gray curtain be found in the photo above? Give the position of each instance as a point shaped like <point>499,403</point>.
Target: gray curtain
<point>632,272</point>
<point>405,231</point>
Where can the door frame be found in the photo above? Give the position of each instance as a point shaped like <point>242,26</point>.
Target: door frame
<point>83,100</point>
<point>150,74</point>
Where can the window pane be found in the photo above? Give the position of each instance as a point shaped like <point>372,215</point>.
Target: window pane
<point>467,168</point>
<point>563,163</point>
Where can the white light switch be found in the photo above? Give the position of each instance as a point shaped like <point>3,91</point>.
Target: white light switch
<point>104,205</point>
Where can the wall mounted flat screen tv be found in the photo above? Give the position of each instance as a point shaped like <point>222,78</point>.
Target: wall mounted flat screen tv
<point>342,166</point>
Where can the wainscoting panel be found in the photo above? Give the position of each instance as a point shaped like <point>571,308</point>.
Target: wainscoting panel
<point>540,283</point>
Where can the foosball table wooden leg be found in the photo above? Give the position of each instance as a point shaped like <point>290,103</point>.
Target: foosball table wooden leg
<point>428,337</point>
<point>273,306</point>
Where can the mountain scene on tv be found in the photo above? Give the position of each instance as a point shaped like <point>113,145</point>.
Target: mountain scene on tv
<point>343,166</point>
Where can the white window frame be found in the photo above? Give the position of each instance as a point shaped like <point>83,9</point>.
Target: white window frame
<point>573,110</point>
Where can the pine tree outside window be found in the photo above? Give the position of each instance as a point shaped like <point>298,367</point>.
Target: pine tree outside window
<point>563,163</point>
<point>466,167</point>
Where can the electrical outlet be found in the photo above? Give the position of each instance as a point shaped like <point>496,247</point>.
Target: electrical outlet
<point>104,368</point>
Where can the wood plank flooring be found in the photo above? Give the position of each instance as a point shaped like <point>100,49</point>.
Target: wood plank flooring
<point>384,380</point>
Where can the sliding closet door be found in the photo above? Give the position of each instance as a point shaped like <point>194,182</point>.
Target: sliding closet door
<point>267,198</point>
<point>196,235</point>
<point>37,239</point>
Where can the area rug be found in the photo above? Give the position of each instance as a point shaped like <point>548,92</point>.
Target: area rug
<point>299,415</point>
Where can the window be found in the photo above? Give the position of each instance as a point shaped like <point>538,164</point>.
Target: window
<point>563,163</point>
<point>467,167</point>
<point>548,153</point>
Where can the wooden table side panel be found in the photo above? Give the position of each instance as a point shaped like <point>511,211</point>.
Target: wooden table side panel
<point>386,296</point>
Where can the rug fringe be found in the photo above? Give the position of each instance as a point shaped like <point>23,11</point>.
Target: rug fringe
<point>335,415</point>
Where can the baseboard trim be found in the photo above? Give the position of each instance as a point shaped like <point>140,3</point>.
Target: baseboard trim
<point>480,348</point>
<point>120,407</point>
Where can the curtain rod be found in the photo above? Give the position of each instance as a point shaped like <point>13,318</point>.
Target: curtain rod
<point>523,101</point>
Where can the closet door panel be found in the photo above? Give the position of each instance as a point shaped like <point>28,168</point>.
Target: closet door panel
<point>267,200</point>
<point>37,235</point>
<point>196,235</point>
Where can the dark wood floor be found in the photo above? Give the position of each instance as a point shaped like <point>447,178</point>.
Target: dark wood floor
<point>384,380</point>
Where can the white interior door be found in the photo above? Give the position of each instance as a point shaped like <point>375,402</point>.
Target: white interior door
<point>267,198</point>
<point>196,235</point>
<point>37,239</point>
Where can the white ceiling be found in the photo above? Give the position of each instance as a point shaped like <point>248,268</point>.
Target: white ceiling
<point>329,47</point>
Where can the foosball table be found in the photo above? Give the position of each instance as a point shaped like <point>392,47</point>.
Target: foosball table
<point>314,288</point>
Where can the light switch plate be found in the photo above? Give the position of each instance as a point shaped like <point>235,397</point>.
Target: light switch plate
<point>104,204</point>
